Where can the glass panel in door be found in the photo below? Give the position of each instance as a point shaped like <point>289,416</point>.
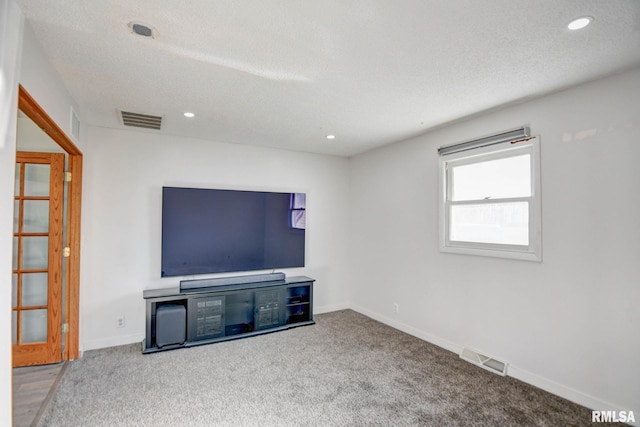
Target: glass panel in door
<point>37,258</point>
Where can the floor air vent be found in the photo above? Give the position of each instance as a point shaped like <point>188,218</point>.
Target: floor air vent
<point>486,362</point>
<point>141,120</point>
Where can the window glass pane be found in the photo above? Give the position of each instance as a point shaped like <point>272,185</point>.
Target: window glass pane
<point>36,180</point>
<point>34,289</point>
<point>497,223</point>
<point>14,290</point>
<point>14,327</point>
<point>15,253</point>
<point>17,181</point>
<point>494,179</point>
<point>16,216</point>
<point>35,253</point>
<point>36,216</point>
<point>34,326</point>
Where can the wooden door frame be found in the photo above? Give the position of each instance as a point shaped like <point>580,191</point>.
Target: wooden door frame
<point>34,111</point>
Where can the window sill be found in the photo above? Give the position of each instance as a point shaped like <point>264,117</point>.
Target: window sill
<point>493,253</point>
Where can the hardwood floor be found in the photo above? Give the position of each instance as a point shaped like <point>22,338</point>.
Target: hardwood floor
<point>33,386</point>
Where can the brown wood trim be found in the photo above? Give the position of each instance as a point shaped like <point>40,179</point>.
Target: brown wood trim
<point>31,108</point>
<point>31,354</point>
<point>56,228</point>
<point>31,197</point>
<point>35,270</point>
<point>36,113</point>
<point>38,158</point>
<point>29,307</point>
<point>72,349</point>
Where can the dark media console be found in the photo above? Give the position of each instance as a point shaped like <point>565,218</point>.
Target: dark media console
<point>226,309</point>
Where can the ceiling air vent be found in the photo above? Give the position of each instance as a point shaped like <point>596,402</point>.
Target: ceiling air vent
<point>141,120</point>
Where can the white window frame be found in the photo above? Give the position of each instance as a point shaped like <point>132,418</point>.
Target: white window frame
<point>531,252</point>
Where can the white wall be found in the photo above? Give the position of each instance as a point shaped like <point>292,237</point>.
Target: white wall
<point>40,79</point>
<point>11,23</point>
<point>569,324</point>
<point>124,174</point>
<point>31,138</point>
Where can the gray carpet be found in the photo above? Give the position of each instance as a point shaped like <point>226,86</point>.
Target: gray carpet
<point>346,370</point>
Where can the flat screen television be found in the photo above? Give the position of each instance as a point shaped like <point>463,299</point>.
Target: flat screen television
<point>215,231</point>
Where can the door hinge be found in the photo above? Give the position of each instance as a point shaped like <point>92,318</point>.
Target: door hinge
<point>66,252</point>
<point>67,177</point>
<point>65,328</point>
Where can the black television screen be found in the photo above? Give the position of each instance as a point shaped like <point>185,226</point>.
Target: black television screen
<point>214,231</point>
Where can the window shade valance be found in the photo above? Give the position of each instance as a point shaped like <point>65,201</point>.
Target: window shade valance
<point>510,135</point>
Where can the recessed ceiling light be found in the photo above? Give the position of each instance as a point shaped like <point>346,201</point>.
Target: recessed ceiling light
<point>189,114</point>
<point>331,137</point>
<point>581,22</point>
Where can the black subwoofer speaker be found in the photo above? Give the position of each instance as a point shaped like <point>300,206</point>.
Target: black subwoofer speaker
<point>171,324</point>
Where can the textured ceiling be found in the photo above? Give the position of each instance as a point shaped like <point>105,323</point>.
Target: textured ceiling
<point>287,73</point>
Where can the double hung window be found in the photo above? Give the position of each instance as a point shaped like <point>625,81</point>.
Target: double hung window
<point>490,198</point>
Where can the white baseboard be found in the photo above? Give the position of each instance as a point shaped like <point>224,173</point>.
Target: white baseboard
<point>87,345</point>
<point>568,393</point>
<point>330,308</point>
<point>546,384</point>
<point>433,339</point>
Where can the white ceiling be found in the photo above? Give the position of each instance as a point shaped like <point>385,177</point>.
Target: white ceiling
<point>287,73</point>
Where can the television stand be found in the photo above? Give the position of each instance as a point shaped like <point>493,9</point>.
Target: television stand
<point>178,318</point>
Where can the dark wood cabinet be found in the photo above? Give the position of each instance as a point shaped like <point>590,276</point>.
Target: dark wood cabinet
<point>221,313</point>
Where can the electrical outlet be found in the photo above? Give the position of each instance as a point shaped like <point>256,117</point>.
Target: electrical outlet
<point>120,322</point>
<point>395,307</point>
